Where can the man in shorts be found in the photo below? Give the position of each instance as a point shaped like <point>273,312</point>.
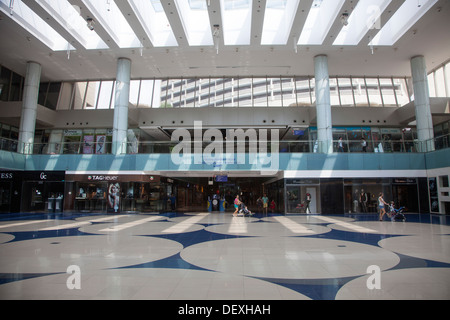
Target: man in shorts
<point>265,203</point>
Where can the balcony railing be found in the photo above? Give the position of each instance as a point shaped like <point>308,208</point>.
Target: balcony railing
<point>284,146</point>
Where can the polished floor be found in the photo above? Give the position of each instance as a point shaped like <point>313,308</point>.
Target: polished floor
<point>210,256</point>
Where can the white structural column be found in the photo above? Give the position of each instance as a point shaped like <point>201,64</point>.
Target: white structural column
<point>29,108</point>
<point>122,92</point>
<point>424,122</point>
<point>323,105</point>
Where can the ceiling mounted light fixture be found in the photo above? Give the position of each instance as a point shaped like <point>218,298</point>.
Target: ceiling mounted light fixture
<point>216,33</point>
<point>90,23</point>
<point>344,19</point>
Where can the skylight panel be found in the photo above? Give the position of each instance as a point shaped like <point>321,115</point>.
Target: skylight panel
<point>195,18</point>
<point>236,20</point>
<point>69,18</point>
<point>278,18</point>
<point>319,21</point>
<point>110,17</point>
<point>402,20</point>
<point>154,21</point>
<point>362,19</point>
<point>34,24</point>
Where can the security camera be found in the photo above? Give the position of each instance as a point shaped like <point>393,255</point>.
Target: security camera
<point>344,19</point>
<point>90,23</point>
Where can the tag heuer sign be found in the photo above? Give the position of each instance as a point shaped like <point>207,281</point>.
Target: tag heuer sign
<point>102,178</point>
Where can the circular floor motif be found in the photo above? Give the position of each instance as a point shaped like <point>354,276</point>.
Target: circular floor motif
<point>402,284</point>
<point>48,255</point>
<point>310,219</point>
<point>430,247</point>
<point>156,227</point>
<point>180,284</point>
<point>391,227</point>
<point>212,218</point>
<point>288,257</point>
<point>5,237</point>
<point>240,226</point>
<point>25,225</point>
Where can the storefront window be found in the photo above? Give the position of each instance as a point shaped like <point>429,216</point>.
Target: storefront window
<point>116,193</point>
<point>90,196</point>
<point>361,194</point>
<point>72,139</point>
<point>303,196</point>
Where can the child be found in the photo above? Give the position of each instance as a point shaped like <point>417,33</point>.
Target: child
<point>391,212</point>
<point>244,210</point>
<point>272,206</point>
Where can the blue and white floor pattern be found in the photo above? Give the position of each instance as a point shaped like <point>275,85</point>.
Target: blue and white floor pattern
<point>212,256</point>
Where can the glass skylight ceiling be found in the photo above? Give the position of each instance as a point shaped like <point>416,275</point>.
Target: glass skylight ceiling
<point>68,16</point>
<point>278,19</point>
<point>34,24</point>
<point>363,18</point>
<point>195,18</point>
<point>319,21</point>
<point>402,20</point>
<point>56,19</point>
<point>154,21</point>
<point>237,21</point>
<point>110,17</point>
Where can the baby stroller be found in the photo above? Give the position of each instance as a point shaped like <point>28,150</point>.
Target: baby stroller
<point>244,210</point>
<point>301,208</point>
<point>396,214</point>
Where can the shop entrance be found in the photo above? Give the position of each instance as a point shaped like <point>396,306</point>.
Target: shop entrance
<point>42,196</point>
<point>302,196</point>
<point>406,196</point>
<point>194,193</point>
<point>5,196</point>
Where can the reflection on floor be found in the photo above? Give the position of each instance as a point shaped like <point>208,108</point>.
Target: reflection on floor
<point>218,256</point>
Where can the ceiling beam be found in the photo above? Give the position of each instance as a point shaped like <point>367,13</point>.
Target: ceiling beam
<point>174,18</point>
<point>385,16</point>
<point>52,22</point>
<point>135,24</point>
<point>336,27</point>
<point>215,18</point>
<point>100,29</point>
<point>299,21</point>
<point>259,7</point>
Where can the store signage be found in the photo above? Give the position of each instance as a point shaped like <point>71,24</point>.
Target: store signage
<point>72,133</point>
<point>102,178</point>
<point>404,180</point>
<point>222,178</point>
<point>43,176</point>
<point>6,175</point>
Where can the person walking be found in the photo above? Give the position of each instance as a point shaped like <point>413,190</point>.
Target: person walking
<point>307,201</point>
<point>363,201</point>
<point>259,203</point>
<point>340,145</point>
<point>381,204</point>
<point>237,202</point>
<point>364,144</point>
<point>265,200</point>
